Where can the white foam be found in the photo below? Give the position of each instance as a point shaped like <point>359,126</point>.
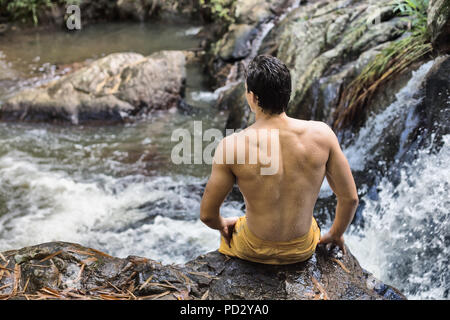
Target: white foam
<point>192,31</point>
<point>45,205</point>
<point>405,238</point>
<point>359,152</point>
<point>206,96</point>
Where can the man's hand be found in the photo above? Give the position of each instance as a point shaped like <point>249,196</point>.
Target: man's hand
<point>333,240</point>
<point>227,229</point>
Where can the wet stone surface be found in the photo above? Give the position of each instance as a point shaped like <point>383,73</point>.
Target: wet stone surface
<point>61,270</point>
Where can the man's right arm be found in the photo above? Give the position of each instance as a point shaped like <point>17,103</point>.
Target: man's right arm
<point>340,179</point>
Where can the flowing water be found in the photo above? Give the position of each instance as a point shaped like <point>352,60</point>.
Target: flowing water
<point>406,237</point>
<point>111,187</point>
<point>115,188</point>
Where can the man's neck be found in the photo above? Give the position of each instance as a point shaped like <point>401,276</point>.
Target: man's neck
<point>261,117</point>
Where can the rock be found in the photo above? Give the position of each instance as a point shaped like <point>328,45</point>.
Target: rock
<point>253,11</point>
<point>433,111</point>
<point>439,24</point>
<point>233,100</point>
<point>421,123</point>
<point>134,9</point>
<point>326,44</point>
<point>338,33</point>
<point>235,44</point>
<point>58,270</point>
<point>111,89</point>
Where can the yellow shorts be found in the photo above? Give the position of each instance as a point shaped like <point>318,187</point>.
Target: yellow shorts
<point>245,245</point>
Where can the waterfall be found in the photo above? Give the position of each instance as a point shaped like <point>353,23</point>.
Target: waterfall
<point>405,239</point>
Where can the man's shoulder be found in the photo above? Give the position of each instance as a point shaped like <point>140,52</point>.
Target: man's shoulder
<point>319,127</point>
<point>312,127</point>
<point>317,132</point>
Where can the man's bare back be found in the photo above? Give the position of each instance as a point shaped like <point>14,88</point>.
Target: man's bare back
<point>280,204</point>
<point>279,207</point>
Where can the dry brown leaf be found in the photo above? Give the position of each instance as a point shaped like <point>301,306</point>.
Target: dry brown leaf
<point>5,286</point>
<point>88,261</point>
<point>161,295</point>
<point>100,253</point>
<point>341,264</point>
<point>80,273</point>
<point>320,288</point>
<point>134,297</point>
<point>171,285</point>
<point>26,285</point>
<point>81,252</point>
<point>51,292</point>
<point>205,295</point>
<point>5,268</point>
<point>146,282</point>
<point>117,289</point>
<point>51,256</point>
<point>16,279</point>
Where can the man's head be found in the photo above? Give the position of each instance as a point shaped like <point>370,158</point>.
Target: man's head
<point>268,83</point>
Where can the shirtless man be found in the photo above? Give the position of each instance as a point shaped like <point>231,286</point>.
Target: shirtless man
<point>278,227</point>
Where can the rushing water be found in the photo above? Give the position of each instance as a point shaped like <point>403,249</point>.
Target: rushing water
<point>115,188</point>
<point>406,237</point>
<point>111,187</point>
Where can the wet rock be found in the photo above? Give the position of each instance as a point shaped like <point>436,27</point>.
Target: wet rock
<point>439,24</point>
<point>235,44</point>
<point>433,112</point>
<point>60,270</point>
<point>326,44</point>
<point>233,100</point>
<point>134,10</point>
<point>254,11</point>
<point>334,36</point>
<point>115,88</point>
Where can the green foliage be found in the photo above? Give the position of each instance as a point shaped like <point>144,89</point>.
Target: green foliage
<point>27,10</point>
<point>220,9</point>
<point>416,10</point>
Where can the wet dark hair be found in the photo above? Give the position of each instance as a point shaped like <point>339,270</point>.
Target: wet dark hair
<point>270,80</point>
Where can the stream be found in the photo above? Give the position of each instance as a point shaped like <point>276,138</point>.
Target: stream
<point>115,188</point>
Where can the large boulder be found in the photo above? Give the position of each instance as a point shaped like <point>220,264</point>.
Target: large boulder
<point>439,24</point>
<point>60,270</point>
<point>111,89</point>
<point>235,44</point>
<point>255,11</point>
<point>326,44</point>
<point>432,114</point>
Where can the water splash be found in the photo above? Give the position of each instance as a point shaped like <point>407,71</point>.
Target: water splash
<point>365,144</point>
<point>406,238</point>
<point>147,216</point>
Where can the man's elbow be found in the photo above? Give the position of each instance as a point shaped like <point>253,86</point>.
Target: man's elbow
<point>352,201</point>
<point>355,201</point>
<point>205,216</point>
